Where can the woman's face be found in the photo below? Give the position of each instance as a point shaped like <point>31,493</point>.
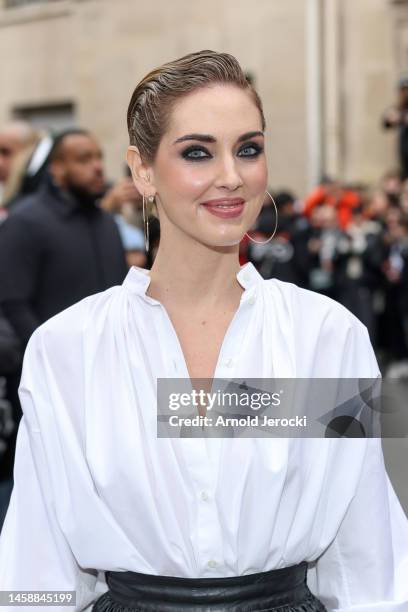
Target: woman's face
<point>210,171</point>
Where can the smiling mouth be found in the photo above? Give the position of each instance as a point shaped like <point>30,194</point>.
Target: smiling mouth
<point>223,206</point>
<point>226,204</point>
<point>226,208</point>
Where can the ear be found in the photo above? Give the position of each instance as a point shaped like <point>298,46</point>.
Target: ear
<point>57,170</point>
<point>141,173</point>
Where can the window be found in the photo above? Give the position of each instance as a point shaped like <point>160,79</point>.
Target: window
<point>52,117</point>
<point>17,3</point>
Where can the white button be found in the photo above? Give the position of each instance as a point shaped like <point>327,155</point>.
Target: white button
<point>247,276</point>
<point>229,362</point>
<point>204,496</point>
<point>251,300</point>
<point>212,563</point>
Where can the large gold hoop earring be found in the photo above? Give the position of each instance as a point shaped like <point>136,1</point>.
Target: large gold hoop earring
<point>146,220</point>
<point>276,224</point>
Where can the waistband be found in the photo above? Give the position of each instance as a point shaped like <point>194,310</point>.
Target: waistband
<point>260,591</point>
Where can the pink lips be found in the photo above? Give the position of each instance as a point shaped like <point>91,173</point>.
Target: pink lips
<point>226,208</point>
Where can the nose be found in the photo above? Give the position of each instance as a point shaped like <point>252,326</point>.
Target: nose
<point>228,175</point>
<point>98,167</point>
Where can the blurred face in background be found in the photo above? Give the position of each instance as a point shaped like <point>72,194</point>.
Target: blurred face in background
<point>392,220</point>
<point>78,166</point>
<point>403,96</point>
<point>328,217</point>
<point>393,216</point>
<point>210,171</point>
<point>287,209</point>
<point>391,183</point>
<point>319,214</point>
<point>377,205</point>
<point>9,145</point>
<point>404,197</point>
<point>358,215</point>
<point>333,189</point>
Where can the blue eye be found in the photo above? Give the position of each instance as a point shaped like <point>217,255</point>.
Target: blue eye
<point>195,154</point>
<point>251,150</point>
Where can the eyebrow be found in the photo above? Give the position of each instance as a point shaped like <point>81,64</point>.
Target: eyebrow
<point>209,138</point>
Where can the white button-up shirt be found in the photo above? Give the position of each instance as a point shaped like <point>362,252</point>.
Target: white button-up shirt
<point>96,490</point>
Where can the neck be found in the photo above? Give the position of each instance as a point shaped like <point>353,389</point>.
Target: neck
<point>192,274</point>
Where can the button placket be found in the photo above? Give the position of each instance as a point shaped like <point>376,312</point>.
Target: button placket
<point>207,513</point>
<point>203,476</point>
<point>209,534</point>
<point>233,340</point>
<point>200,462</point>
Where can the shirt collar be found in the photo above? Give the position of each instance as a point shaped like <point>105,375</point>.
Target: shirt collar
<point>138,280</point>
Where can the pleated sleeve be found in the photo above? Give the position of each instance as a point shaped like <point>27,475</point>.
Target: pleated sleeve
<point>34,553</point>
<point>365,567</point>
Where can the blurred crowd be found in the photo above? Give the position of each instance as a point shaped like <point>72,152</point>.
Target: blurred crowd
<point>67,232</point>
<point>351,244</point>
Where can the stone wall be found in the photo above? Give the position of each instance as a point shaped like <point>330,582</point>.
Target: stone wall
<point>93,52</point>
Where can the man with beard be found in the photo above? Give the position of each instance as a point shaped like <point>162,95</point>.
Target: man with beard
<point>57,246</point>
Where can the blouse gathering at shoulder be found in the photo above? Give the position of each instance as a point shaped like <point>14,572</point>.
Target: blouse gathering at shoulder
<point>328,339</point>
<point>72,319</point>
<point>309,305</point>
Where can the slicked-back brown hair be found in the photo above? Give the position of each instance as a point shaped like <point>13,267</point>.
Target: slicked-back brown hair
<point>154,97</point>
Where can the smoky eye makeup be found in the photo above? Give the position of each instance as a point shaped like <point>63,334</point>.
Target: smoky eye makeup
<point>249,150</point>
<point>195,153</point>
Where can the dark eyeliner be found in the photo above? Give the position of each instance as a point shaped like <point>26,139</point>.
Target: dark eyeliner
<point>254,145</point>
<point>186,153</point>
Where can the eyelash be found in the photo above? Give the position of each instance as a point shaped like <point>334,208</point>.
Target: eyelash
<point>186,153</point>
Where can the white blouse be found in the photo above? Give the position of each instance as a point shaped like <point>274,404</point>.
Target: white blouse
<point>95,489</point>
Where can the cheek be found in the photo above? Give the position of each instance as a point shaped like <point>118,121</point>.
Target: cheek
<point>85,172</point>
<point>75,170</point>
<point>184,181</point>
<point>255,176</point>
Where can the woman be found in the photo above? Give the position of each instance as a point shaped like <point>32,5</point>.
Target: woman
<point>288,525</point>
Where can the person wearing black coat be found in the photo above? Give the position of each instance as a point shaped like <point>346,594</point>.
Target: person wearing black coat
<point>57,246</point>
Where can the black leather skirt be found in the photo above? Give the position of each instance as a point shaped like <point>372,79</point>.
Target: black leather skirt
<point>280,590</point>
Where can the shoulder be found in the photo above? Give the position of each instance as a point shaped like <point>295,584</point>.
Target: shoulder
<point>62,333</point>
<point>52,385</point>
<point>328,339</point>
<point>26,213</point>
<point>309,305</point>
<point>28,206</point>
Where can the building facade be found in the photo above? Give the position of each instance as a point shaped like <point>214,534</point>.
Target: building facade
<point>325,69</point>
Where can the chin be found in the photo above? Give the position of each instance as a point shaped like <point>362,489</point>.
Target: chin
<point>224,240</point>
